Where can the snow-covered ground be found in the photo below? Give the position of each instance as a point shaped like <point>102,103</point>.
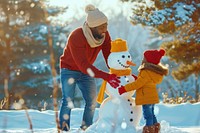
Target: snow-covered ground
<point>182,118</point>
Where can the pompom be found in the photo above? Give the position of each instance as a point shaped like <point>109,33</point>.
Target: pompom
<point>89,7</point>
<point>162,52</point>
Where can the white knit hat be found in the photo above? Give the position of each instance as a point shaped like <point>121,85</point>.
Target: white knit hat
<point>94,16</point>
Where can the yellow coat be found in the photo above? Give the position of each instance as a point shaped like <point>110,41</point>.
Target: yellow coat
<point>145,86</point>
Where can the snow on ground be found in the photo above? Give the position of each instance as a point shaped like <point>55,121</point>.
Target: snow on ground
<point>182,118</point>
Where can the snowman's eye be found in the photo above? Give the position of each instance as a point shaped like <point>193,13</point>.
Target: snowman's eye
<point>123,56</point>
<point>129,56</point>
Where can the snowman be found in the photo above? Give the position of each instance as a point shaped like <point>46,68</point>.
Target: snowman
<point>117,113</point>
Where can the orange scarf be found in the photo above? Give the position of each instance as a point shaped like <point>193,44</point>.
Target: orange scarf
<point>126,72</point>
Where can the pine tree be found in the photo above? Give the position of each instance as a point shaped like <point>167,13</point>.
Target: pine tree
<point>179,18</point>
<point>25,59</point>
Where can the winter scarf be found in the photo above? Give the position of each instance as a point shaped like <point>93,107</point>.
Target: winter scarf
<point>160,69</point>
<point>90,38</point>
<point>100,96</point>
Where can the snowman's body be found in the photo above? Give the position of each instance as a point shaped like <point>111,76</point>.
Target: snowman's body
<point>118,113</point>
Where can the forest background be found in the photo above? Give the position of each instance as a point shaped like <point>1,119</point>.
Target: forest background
<point>33,34</point>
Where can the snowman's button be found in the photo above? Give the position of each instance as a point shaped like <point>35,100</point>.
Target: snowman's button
<point>127,80</point>
<point>129,100</point>
<point>131,112</point>
<point>130,104</point>
<point>131,119</point>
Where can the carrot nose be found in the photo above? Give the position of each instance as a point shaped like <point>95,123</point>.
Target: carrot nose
<point>130,63</point>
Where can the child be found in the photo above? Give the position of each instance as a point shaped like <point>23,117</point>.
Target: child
<point>151,73</point>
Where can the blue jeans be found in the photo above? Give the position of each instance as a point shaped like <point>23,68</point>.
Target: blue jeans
<point>87,86</point>
<point>148,113</point>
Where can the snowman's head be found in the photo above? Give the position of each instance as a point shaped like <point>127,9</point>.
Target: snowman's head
<point>119,60</point>
<point>119,57</point>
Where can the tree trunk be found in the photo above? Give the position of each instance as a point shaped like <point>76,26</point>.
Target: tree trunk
<point>54,74</point>
<point>196,88</point>
<point>170,88</point>
<point>7,101</point>
<point>7,74</point>
<point>53,71</point>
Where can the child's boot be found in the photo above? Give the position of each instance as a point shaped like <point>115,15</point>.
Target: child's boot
<point>157,127</point>
<point>148,129</point>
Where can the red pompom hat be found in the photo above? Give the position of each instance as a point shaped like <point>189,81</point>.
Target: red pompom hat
<point>154,56</point>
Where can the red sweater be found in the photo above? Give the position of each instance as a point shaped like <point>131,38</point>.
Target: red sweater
<point>79,56</point>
